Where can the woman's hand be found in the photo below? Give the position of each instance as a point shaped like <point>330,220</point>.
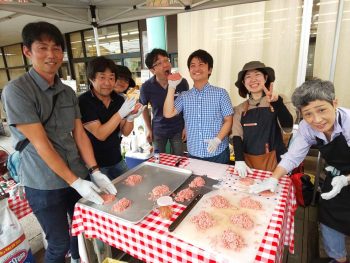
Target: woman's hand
<point>270,95</point>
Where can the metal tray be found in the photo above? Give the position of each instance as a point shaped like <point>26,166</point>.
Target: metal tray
<point>153,175</point>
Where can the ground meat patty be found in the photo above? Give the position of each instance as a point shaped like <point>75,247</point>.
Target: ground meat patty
<point>232,240</point>
<point>203,220</point>
<point>133,180</point>
<point>107,198</point>
<point>183,195</point>
<point>247,181</point>
<point>159,191</point>
<point>219,201</point>
<point>247,202</point>
<point>243,220</point>
<point>267,193</point>
<point>121,205</point>
<point>197,182</point>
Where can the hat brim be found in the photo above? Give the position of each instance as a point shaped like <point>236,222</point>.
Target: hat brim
<point>239,83</point>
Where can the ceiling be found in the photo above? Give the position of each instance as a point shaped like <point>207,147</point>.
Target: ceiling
<point>73,15</point>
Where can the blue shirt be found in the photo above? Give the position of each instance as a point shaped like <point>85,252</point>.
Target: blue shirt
<point>306,137</point>
<point>152,92</point>
<point>204,112</point>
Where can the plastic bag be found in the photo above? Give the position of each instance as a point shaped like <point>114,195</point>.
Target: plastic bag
<point>14,246</point>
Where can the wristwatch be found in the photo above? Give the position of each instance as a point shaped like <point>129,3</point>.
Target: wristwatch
<point>93,168</point>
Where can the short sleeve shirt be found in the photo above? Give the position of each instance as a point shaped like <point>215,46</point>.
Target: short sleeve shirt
<point>107,152</point>
<point>29,99</point>
<point>152,92</point>
<point>204,112</point>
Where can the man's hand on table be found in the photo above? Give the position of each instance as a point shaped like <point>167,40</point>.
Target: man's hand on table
<point>268,184</point>
<point>102,181</point>
<point>88,190</point>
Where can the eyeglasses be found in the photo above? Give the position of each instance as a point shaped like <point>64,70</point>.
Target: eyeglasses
<point>161,62</point>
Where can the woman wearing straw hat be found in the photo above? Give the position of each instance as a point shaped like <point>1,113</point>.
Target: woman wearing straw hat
<point>256,132</point>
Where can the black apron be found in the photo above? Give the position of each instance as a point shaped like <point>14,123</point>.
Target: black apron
<point>260,127</point>
<point>335,213</point>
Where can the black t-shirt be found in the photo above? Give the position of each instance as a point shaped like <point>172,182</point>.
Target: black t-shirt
<point>106,152</point>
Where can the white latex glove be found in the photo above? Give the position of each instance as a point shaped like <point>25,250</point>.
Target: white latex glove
<point>88,190</point>
<point>338,183</point>
<point>174,80</point>
<point>242,168</point>
<point>213,144</point>
<point>267,184</point>
<point>331,169</point>
<point>127,107</point>
<point>102,181</point>
<point>173,83</point>
<point>132,117</point>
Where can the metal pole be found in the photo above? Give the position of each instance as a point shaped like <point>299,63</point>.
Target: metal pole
<point>336,40</point>
<point>97,41</point>
<point>304,41</point>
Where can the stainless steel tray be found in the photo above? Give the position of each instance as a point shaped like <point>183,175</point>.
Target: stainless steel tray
<point>153,175</point>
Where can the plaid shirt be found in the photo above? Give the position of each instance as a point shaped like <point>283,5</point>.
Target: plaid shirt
<point>204,112</point>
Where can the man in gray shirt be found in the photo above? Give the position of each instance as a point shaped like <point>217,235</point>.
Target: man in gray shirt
<point>42,109</point>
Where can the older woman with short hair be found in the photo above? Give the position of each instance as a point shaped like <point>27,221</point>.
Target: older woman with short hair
<point>328,127</point>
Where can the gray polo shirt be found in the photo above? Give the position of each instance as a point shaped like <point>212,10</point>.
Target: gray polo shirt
<point>29,99</point>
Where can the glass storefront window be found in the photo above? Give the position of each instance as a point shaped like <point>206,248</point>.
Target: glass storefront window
<point>13,55</point>
<point>16,72</point>
<point>109,40</point>
<point>76,45</point>
<point>2,64</point>
<point>90,46</point>
<point>134,64</point>
<point>3,78</point>
<point>130,37</point>
<point>80,75</point>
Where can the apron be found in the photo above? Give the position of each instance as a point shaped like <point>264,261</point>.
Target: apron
<point>262,138</point>
<point>335,213</point>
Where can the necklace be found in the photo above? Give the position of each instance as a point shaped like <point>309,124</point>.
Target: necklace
<point>253,102</point>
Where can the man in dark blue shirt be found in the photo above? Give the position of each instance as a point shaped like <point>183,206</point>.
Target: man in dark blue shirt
<point>154,91</point>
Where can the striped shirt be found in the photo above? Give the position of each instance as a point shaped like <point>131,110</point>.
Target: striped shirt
<point>204,112</point>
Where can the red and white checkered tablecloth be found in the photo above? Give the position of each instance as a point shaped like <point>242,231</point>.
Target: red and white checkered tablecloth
<point>19,206</point>
<point>150,241</point>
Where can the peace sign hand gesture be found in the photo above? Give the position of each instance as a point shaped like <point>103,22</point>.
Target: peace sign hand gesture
<point>270,95</point>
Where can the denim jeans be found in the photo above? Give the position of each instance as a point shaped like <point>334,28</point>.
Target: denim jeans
<point>333,242</point>
<point>114,171</point>
<point>223,157</point>
<point>51,208</point>
<point>177,146</point>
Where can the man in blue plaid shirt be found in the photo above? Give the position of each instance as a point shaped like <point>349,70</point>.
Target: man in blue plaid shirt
<point>207,111</point>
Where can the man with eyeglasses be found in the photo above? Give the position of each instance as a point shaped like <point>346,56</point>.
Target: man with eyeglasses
<point>154,91</point>
<point>106,115</point>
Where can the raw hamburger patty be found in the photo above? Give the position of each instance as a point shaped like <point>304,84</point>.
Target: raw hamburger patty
<point>121,205</point>
<point>159,191</point>
<point>183,195</point>
<point>203,220</point>
<point>247,181</point>
<point>133,180</point>
<point>108,198</point>
<point>197,182</point>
